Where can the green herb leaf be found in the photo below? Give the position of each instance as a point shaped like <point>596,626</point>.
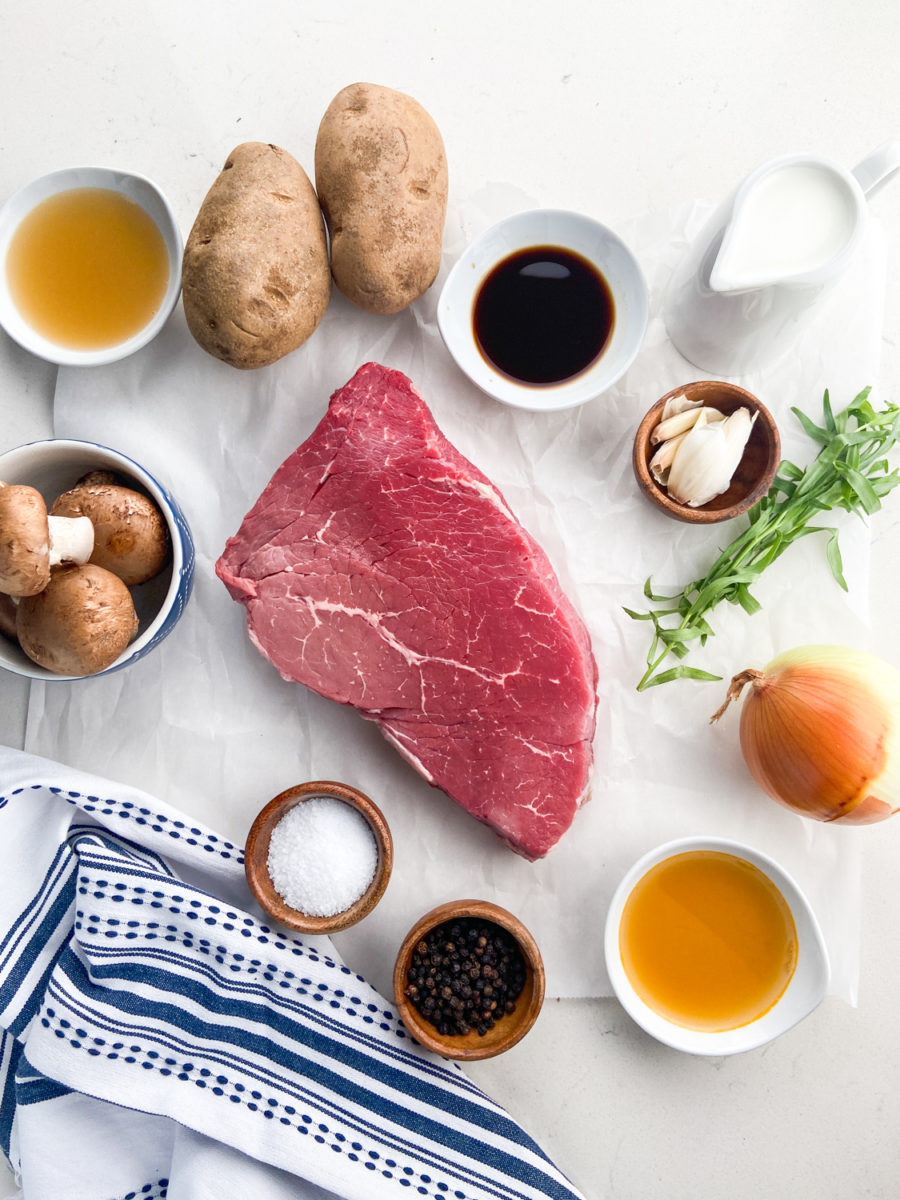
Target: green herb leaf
<point>833,555</point>
<point>787,470</point>
<point>748,603</point>
<point>829,416</point>
<point>819,435</point>
<point>638,616</point>
<point>851,472</point>
<point>680,673</point>
<point>656,599</point>
<point>864,491</point>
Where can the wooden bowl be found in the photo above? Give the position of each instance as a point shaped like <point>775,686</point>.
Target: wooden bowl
<point>256,857</point>
<point>511,1027</point>
<point>754,474</point>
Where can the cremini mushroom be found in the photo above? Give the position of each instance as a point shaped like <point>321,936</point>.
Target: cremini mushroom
<point>80,623</point>
<point>31,542</point>
<point>130,534</point>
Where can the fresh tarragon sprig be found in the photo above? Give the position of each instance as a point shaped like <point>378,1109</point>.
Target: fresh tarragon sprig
<point>851,471</point>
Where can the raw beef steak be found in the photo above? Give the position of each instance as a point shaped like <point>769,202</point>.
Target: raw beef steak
<point>383,570</point>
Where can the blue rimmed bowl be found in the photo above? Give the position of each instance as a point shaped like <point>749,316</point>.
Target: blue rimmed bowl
<point>56,465</point>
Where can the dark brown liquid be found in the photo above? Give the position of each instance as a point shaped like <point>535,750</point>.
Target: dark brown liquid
<point>543,315</point>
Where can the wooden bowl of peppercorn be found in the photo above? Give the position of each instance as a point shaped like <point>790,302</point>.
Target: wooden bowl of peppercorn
<point>468,980</point>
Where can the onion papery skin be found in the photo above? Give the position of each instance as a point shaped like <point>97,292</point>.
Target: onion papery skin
<point>819,732</point>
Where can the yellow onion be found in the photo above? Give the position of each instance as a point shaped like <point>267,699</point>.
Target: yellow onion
<point>820,732</point>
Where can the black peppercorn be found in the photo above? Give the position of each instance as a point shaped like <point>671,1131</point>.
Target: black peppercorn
<point>465,975</point>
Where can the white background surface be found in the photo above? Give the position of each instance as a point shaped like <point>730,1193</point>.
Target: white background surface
<point>615,110</point>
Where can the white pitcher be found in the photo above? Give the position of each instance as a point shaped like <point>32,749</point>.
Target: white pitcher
<point>765,257</point>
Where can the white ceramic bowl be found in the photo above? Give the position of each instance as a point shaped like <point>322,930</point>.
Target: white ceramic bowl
<point>55,466</point>
<point>804,992</point>
<point>135,187</point>
<point>570,231</point>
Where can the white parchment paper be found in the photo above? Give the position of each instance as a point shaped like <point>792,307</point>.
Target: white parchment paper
<point>206,723</point>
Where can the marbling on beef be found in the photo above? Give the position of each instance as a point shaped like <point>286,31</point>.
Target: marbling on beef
<point>383,570</point>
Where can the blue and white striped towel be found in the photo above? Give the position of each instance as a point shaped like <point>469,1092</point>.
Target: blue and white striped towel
<point>159,1041</point>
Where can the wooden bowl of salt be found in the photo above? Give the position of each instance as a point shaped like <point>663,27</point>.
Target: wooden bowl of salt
<point>319,856</point>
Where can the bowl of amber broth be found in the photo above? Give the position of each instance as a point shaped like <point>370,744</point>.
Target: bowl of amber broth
<point>712,948</point>
<point>468,980</point>
<point>318,857</point>
<point>91,265</point>
<point>545,310</point>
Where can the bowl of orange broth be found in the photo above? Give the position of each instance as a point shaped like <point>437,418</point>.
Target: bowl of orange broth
<point>90,265</point>
<point>712,948</point>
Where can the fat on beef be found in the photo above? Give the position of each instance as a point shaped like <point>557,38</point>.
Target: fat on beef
<point>383,570</point>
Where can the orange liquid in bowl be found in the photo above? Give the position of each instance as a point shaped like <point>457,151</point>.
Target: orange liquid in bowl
<point>87,268</point>
<point>708,941</point>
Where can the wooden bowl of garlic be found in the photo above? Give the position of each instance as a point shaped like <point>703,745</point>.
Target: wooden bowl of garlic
<point>706,452</point>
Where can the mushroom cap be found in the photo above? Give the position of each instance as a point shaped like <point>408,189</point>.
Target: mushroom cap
<point>24,540</point>
<point>130,534</point>
<point>80,623</point>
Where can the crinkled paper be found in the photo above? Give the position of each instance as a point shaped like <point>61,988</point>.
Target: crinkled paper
<point>208,724</point>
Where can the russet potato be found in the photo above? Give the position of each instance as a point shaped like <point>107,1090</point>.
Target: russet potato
<point>381,177</point>
<point>255,276</point>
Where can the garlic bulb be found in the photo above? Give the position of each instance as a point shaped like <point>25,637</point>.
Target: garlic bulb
<point>820,732</point>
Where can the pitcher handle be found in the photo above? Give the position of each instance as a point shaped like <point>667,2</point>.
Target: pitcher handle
<point>878,167</point>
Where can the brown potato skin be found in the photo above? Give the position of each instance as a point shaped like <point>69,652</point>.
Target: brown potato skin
<point>381,177</point>
<point>255,276</point>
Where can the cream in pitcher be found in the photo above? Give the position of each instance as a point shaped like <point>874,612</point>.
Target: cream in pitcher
<point>767,254</point>
<point>796,219</point>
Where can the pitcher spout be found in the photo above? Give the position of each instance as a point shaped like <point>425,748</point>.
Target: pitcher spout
<point>731,274</point>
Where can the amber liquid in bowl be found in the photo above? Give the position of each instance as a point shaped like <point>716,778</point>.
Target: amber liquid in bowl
<point>708,941</point>
<point>87,268</point>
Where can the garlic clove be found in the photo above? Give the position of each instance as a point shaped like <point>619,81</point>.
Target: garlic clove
<point>705,462</point>
<point>681,422</point>
<point>662,460</point>
<point>678,404</point>
<point>673,426</point>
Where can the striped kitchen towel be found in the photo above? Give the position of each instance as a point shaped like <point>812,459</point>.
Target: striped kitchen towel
<point>160,1041</point>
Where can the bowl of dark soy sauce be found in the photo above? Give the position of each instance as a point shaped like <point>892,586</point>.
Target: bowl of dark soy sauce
<point>545,310</point>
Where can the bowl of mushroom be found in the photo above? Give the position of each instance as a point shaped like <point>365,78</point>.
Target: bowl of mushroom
<point>96,560</point>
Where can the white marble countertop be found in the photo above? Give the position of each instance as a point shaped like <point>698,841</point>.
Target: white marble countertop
<point>617,110</point>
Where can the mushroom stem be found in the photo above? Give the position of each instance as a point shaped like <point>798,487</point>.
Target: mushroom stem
<point>71,539</point>
<point>31,542</point>
<point>130,535</point>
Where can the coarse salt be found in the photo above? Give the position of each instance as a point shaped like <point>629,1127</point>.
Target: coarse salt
<point>322,856</point>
